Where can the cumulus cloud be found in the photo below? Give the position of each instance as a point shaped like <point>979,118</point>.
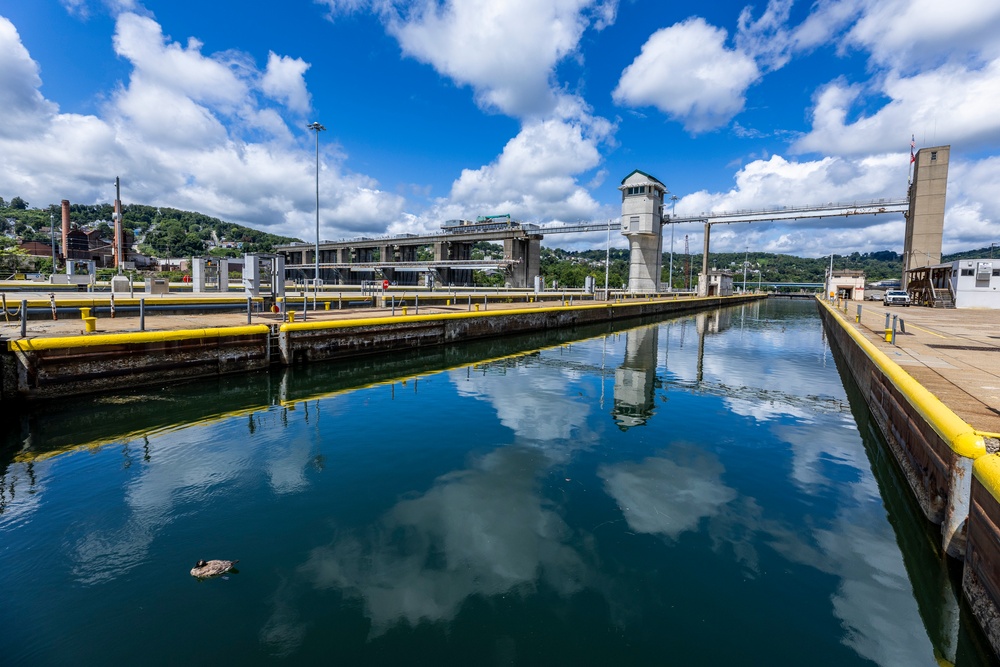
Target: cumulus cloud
<point>907,33</point>
<point>778,181</point>
<point>534,175</point>
<point>283,81</point>
<point>505,51</point>
<point>23,105</point>
<point>951,102</point>
<point>687,72</point>
<point>186,130</point>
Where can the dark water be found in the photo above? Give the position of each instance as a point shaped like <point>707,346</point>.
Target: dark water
<point>701,491</point>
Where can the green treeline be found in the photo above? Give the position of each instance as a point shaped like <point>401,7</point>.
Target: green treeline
<point>159,231</point>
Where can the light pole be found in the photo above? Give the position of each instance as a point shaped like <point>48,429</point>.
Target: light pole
<point>746,265</point>
<point>319,128</point>
<point>607,262</point>
<point>673,214</point>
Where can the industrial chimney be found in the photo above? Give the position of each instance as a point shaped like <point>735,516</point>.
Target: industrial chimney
<point>65,227</point>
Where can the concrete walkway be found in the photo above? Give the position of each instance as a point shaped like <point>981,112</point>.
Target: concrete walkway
<point>955,354</point>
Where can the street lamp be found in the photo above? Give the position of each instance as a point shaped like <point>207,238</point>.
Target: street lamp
<point>673,214</point>
<point>746,265</point>
<point>318,128</point>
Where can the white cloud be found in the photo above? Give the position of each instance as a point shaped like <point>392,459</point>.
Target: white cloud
<point>909,33</point>
<point>534,177</point>
<point>687,72</point>
<point>185,130</point>
<point>23,106</point>
<point>283,81</point>
<point>955,104</point>
<point>506,51</point>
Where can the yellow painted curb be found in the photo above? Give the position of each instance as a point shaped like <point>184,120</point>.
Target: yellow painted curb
<point>61,343</point>
<point>987,470</point>
<point>963,439</point>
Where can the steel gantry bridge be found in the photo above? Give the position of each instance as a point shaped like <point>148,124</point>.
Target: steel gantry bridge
<point>388,255</point>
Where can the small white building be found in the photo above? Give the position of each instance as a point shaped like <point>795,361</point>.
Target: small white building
<point>845,284</point>
<point>965,283</point>
<point>720,283</point>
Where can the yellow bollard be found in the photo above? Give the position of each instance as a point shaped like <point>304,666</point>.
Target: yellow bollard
<point>447,302</point>
<point>90,324</point>
<point>291,316</point>
<point>888,335</point>
<point>327,304</point>
<point>84,313</point>
<point>477,307</point>
<point>404,311</point>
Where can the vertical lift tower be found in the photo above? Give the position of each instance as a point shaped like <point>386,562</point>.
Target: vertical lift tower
<point>642,224</point>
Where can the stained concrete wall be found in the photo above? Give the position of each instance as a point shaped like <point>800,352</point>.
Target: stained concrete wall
<point>56,367</point>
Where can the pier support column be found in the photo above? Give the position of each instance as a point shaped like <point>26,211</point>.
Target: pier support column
<point>956,513</point>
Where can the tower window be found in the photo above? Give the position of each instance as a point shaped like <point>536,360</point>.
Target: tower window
<point>933,156</point>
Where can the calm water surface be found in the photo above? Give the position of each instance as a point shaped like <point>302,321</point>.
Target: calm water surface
<point>696,491</point>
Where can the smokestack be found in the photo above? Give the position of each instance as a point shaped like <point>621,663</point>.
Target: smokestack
<point>65,227</point>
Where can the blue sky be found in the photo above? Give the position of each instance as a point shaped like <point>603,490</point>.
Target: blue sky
<point>442,109</point>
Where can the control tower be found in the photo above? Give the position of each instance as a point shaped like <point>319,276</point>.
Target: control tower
<point>925,219</point>
<point>642,224</point>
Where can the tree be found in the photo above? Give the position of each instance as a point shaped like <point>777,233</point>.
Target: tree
<point>18,203</point>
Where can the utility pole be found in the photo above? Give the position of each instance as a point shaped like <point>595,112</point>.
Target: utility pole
<point>673,214</point>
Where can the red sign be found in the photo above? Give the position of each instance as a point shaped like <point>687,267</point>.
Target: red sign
<point>385,284</point>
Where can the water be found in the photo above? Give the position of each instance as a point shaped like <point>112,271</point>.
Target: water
<point>696,491</point>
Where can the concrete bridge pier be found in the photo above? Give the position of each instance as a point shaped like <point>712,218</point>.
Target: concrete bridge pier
<point>527,252</point>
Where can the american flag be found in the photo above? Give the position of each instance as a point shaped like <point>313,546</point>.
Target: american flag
<point>913,144</point>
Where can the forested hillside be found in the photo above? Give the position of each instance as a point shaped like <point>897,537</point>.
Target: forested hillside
<point>159,231</point>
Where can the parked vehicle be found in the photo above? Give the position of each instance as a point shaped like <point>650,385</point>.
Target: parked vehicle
<point>896,297</point>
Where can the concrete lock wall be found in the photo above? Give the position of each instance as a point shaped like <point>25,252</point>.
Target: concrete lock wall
<point>933,446</point>
<point>981,575</point>
<point>944,460</point>
<point>316,341</point>
<point>55,367</point>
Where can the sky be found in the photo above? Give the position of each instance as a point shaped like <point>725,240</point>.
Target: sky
<point>449,109</point>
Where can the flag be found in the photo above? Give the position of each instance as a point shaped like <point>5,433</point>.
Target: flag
<point>913,144</point>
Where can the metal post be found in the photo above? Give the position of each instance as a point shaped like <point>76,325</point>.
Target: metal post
<point>24,318</point>
<point>470,302</point>
<point>249,308</point>
<point>894,317</point>
<point>858,318</point>
<point>305,306</point>
<point>142,314</point>
<point>416,304</point>
<point>318,128</point>
<point>673,214</point>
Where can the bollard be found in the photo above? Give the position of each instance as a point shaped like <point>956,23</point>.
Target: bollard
<point>858,316</point>
<point>477,307</point>
<point>327,304</point>
<point>447,302</point>
<point>24,318</point>
<point>142,314</point>
<point>249,308</point>
<point>404,311</point>
<point>291,316</point>
<point>90,324</point>
<point>84,313</point>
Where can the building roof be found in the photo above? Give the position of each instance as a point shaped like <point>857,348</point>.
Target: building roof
<point>637,171</point>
